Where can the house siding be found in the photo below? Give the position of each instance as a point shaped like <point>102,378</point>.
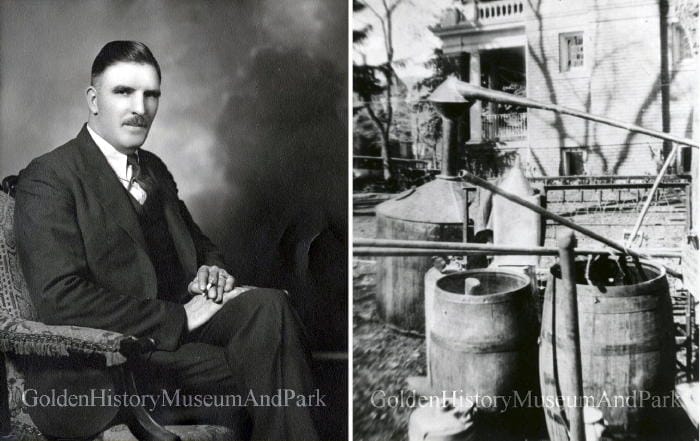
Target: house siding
<point>621,79</point>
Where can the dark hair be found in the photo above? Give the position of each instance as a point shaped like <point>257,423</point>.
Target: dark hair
<point>120,50</point>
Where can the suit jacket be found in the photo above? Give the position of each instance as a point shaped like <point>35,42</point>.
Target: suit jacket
<point>82,250</point>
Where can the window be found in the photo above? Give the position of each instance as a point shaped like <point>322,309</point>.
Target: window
<point>574,164</point>
<point>570,51</point>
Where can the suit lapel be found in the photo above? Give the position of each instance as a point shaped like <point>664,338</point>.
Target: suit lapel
<point>115,201</point>
<point>112,196</point>
<point>179,232</point>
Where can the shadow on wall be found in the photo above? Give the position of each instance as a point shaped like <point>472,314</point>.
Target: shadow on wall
<point>658,91</point>
<point>285,223</point>
<point>540,59</point>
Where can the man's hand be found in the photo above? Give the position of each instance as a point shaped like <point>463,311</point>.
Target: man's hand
<point>212,282</point>
<point>200,309</point>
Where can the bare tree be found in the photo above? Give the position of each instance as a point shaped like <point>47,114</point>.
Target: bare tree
<point>365,84</point>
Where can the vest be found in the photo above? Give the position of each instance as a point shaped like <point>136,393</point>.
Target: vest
<point>160,246</point>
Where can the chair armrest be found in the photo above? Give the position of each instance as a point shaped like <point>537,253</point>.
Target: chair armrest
<point>27,337</point>
<point>9,184</point>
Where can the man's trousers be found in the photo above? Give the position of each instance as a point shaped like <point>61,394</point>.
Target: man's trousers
<point>253,347</point>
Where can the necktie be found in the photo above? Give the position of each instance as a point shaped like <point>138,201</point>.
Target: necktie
<point>133,161</point>
<point>137,187</point>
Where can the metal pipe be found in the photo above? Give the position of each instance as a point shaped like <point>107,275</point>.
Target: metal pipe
<point>569,309</point>
<point>450,105</point>
<point>450,167</point>
<point>469,91</point>
<point>650,196</point>
<point>405,252</point>
<point>379,158</point>
<point>369,247</point>
<point>555,217</point>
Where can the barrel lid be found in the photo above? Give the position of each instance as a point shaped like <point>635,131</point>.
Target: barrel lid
<point>440,201</point>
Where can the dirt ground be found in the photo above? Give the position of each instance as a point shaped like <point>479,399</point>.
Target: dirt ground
<point>383,359</point>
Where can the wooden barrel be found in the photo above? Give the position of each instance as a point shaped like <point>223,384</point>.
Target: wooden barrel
<point>482,344</point>
<point>627,350</point>
<point>431,278</point>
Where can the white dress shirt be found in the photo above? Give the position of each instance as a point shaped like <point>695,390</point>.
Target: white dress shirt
<point>117,160</point>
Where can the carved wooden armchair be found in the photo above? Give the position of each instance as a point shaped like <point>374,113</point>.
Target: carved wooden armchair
<point>99,358</point>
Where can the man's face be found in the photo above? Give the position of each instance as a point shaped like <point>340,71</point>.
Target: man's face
<point>123,103</point>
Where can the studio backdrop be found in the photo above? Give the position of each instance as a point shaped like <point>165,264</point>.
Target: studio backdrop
<point>252,123</point>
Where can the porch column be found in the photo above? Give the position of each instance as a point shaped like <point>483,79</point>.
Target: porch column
<point>491,84</point>
<point>475,111</point>
<point>463,127</point>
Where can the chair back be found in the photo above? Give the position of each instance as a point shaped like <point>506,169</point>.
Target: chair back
<point>15,305</point>
<point>14,295</point>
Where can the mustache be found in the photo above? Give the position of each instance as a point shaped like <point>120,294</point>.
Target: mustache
<point>136,120</point>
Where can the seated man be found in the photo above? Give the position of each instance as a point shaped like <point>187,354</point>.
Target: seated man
<point>105,242</point>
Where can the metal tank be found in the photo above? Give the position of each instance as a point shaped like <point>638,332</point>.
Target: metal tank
<point>434,211</point>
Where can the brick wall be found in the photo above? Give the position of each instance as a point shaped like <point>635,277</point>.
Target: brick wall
<point>620,78</point>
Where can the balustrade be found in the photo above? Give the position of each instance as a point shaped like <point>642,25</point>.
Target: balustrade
<point>501,10</point>
<point>504,127</point>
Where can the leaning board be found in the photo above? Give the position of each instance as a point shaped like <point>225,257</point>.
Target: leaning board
<point>690,262</point>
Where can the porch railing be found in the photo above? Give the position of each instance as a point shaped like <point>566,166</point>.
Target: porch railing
<point>500,10</point>
<point>483,13</point>
<point>504,127</point>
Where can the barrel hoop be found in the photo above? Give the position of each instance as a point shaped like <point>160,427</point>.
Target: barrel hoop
<point>623,292</point>
<point>617,305</point>
<point>516,296</point>
<point>618,349</point>
<point>488,299</point>
<point>475,347</point>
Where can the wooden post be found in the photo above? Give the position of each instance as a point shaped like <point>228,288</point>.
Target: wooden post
<point>543,223</point>
<point>689,206</point>
<point>566,243</point>
<point>688,343</point>
<point>465,226</point>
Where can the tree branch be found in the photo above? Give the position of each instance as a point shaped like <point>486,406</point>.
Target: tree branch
<point>385,140</point>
